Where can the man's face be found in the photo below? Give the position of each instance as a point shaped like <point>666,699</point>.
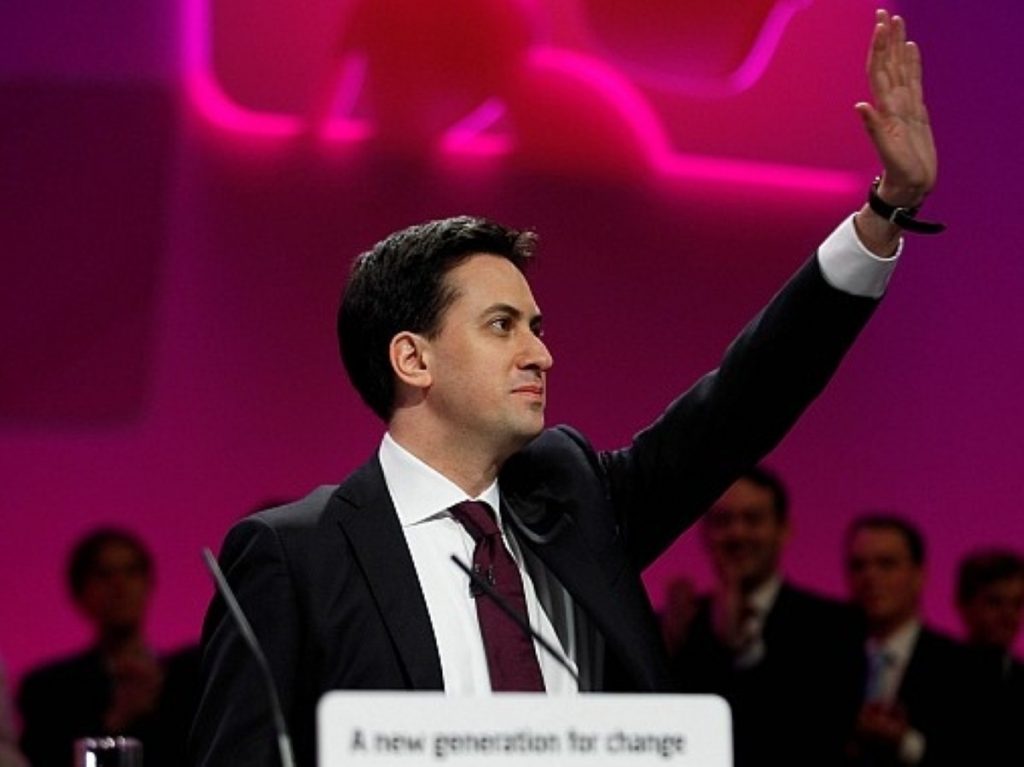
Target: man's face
<point>993,615</point>
<point>115,592</point>
<point>882,578</point>
<point>744,536</point>
<point>487,364</point>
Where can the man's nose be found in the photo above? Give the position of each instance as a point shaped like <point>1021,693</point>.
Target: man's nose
<point>536,355</point>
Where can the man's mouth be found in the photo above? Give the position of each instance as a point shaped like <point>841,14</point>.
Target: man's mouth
<point>534,390</point>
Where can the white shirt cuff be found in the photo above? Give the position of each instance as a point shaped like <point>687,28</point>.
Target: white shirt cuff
<point>850,267</point>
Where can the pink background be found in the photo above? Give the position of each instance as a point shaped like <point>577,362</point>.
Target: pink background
<point>172,262</point>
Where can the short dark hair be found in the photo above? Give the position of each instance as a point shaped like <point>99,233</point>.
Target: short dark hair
<point>985,567</point>
<point>883,520</point>
<point>399,285</point>
<point>766,478</point>
<point>86,553</point>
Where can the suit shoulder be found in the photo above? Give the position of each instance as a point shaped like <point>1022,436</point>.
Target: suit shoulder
<point>56,678</point>
<point>554,458</point>
<point>815,601</point>
<point>304,512</point>
<point>938,640</point>
<point>69,666</point>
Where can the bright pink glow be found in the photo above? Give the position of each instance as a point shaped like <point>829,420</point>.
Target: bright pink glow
<point>223,112</point>
<point>747,72</point>
<point>469,136</point>
<point>211,101</point>
<point>617,91</point>
<point>750,71</point>
<point>781,176</point>
<point>634,109</point>
<point>343,92</point>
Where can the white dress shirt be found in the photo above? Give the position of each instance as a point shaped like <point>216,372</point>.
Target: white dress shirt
<point>897,650</point>
<point>422,498</point>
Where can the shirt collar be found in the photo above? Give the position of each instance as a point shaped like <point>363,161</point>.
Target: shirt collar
<point>763,597</point>
<point>419,491</point>
<point>899,644</point>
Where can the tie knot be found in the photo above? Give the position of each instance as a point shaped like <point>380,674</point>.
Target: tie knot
<point>477,518</point>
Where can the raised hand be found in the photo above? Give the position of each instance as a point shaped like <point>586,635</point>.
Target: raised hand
<point>897,121</point>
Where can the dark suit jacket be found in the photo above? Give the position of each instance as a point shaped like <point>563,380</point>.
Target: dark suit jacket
<point>66,700</point>
<point>996,707</point>
<point>939,696</point>
<point>811,661</point>
<point>330,587</point>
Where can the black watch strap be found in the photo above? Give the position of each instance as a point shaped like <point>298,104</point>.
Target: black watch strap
<point>904,218</point>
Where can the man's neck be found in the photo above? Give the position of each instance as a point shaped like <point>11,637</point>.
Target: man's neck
<point>121,644</point>
<point>473,468</point>
<point>883,630</point>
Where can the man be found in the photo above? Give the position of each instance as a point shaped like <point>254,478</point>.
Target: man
<point>120,685</point>
<point>990,599</point>
<point>353,587</point>
<point>916,688</point>
<point>759,635</point>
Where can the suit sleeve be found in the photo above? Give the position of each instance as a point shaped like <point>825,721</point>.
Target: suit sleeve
<point>734,415</point>
<point>233,724</point>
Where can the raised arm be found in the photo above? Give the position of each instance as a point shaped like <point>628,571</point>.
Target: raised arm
<point>898,125</point>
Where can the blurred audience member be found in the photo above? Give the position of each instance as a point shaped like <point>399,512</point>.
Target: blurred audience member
<point>916,691</point>
<point>9,754</point>
<point>990,599</point>
<point>758,638</point>
<point>119,686</point>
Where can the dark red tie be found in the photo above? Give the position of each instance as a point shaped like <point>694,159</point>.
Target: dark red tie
<point>511,658</point>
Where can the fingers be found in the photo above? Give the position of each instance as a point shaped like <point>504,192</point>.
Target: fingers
<point>893,61</point>
<point>913,68</point>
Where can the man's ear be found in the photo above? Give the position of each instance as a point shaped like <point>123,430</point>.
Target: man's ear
<point>408,359</point>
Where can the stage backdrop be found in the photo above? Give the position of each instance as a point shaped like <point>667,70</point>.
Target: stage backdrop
<point>184,183</point>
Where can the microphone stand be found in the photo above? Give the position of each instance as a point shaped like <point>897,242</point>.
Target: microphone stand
<point>284,743</point>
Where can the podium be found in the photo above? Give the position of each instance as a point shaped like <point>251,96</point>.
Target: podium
<point>412,729</point>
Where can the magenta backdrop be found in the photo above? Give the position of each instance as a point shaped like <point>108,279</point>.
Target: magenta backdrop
<point>169,288</point>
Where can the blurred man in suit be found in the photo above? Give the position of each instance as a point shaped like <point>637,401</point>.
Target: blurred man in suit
<point>759,636</point>
<point>916,689</point>
<point>990,599</point>
<point>120,685</point>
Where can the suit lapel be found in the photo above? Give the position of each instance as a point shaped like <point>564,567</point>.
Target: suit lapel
<point>367,517</point>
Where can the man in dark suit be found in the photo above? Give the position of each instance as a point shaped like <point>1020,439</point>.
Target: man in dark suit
<point>353,587</point>
<point>990,599</point>
<point>759,635</point>
<point>918,699</point>
<point>119,685</point>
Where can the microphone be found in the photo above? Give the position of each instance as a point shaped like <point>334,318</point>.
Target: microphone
<point>284,743</point>
<point>483,586</point>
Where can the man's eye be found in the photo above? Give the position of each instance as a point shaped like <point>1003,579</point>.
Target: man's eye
<point>503,324</point>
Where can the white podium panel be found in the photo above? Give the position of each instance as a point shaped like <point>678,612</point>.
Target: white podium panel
<point>599,730</point>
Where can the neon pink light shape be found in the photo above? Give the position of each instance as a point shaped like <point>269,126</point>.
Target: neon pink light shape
<point>469,136</point>
<point>747,72</point>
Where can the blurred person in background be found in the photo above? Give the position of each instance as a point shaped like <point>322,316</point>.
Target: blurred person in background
<point>119,685</point>
<point>916,695</point>
<point>758,635</point>
<point>990,600</point>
